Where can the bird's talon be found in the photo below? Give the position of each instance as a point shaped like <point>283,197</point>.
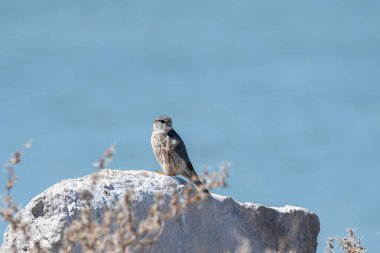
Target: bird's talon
<point>160,172</point>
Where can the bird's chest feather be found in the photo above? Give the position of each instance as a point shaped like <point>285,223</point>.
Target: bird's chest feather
<point>162,143</point>
<point>164,150</point>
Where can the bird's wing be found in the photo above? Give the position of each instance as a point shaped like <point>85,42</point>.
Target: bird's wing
<point>179,146</point>
<point>180,149</point>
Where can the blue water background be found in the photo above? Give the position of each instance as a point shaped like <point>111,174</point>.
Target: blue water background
<point>287,91</point>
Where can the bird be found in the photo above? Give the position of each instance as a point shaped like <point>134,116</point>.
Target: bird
<point>170,151</point>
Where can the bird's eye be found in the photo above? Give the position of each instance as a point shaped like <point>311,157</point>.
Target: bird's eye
<point>162,121</point>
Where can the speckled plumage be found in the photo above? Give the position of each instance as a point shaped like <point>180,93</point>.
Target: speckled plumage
<point>170,150</point>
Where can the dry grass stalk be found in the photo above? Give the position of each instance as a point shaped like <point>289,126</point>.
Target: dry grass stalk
<point>9,208</point>
<point>347,244</point>
<point>8,211</point>
<point>106,158</point>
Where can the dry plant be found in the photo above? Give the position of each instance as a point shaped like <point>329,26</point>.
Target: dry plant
<point>118,230</point>
<point>347,244</point>
<point>106,158</point>
<point>9,208</point>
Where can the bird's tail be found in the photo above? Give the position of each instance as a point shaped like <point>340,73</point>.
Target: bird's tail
<point>195,179</point>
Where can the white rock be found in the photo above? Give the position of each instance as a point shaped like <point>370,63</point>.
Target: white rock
<point>218,224</point>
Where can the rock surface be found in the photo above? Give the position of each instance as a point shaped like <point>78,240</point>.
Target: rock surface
<point>218,224</point>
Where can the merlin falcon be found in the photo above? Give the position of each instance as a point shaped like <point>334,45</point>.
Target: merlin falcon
<point>170,151</point>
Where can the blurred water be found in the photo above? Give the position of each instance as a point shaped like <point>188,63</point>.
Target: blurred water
<point>288,92</point>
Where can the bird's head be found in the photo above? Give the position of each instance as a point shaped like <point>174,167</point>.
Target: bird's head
<point>162,124</point>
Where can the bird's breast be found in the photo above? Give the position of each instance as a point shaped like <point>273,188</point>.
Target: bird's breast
<point>163,149</point>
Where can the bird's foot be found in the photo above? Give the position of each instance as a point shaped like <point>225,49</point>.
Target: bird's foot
<point>163,173</point>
